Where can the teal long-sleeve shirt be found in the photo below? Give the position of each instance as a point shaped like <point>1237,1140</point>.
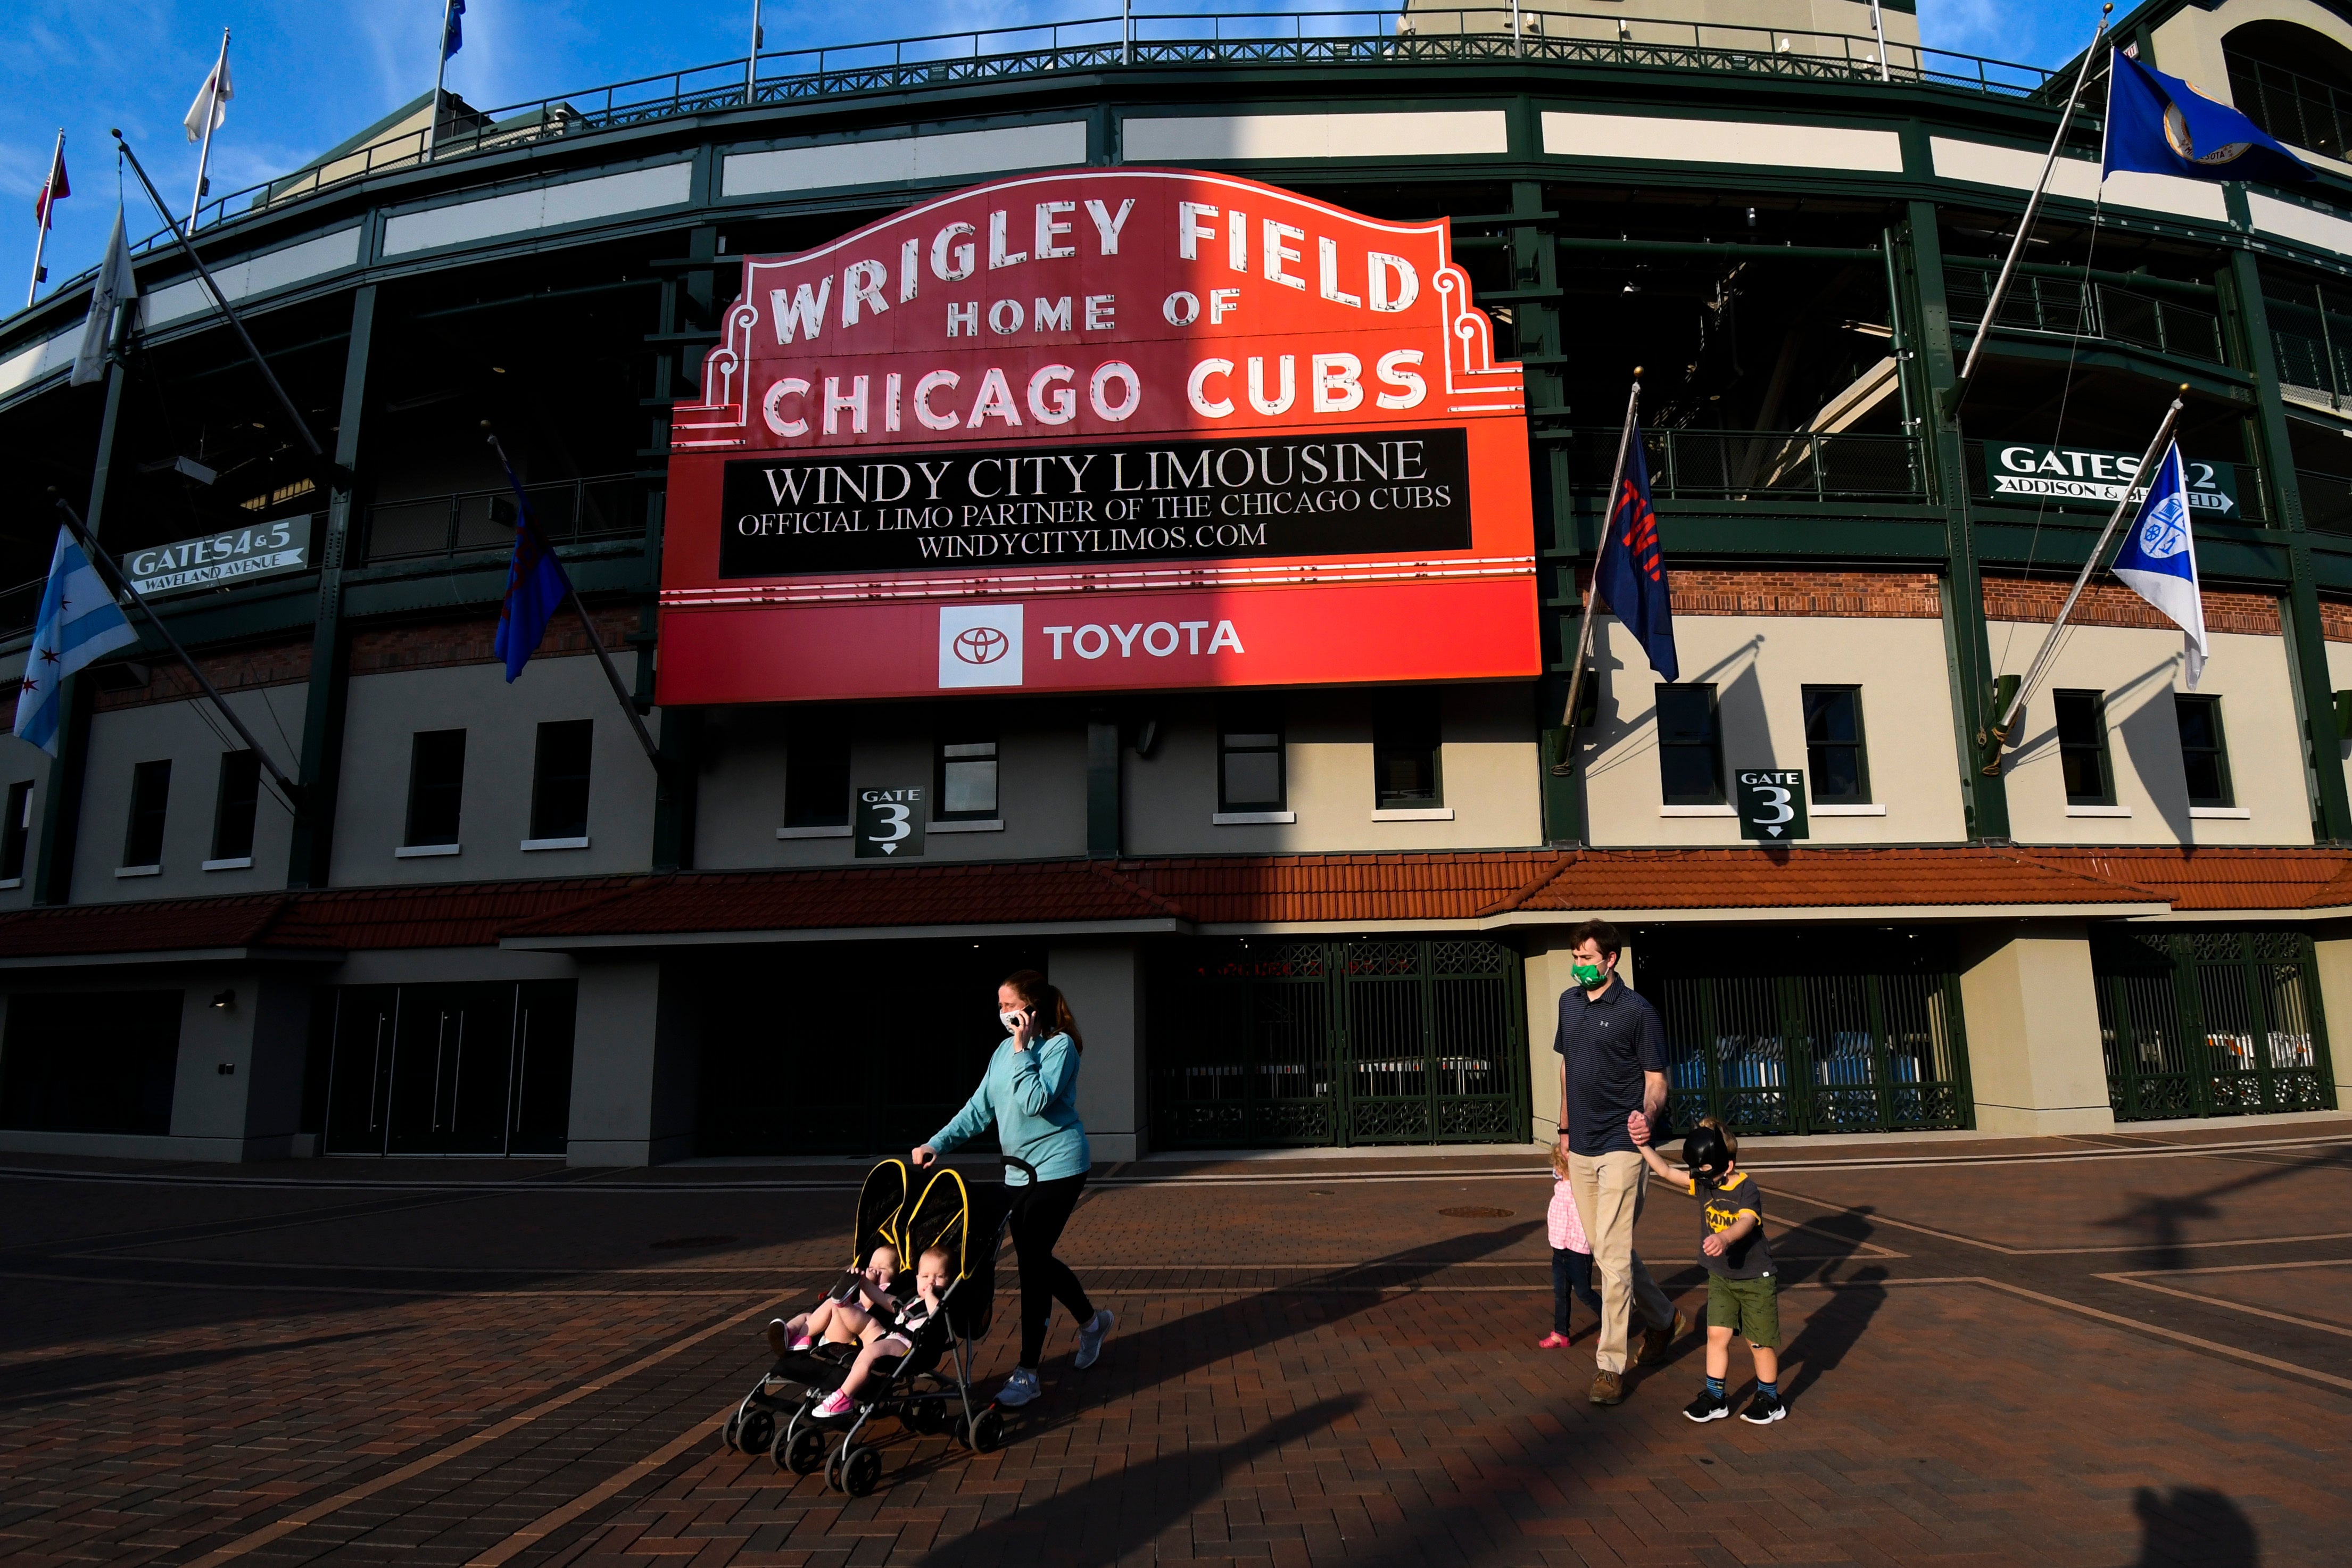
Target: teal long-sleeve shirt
<point>1032,1097</point>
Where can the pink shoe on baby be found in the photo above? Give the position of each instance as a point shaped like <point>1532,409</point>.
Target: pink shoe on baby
<point>803,1341</point>
<point>1554,1341</point>
<point>835,1404</point>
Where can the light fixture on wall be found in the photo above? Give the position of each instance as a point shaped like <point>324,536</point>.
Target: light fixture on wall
<point>225,999</point>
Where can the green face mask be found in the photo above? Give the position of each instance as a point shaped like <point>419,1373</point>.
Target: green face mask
<point>1587,975</point>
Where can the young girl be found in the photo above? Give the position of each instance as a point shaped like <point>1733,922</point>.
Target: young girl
<point>892,1336</point>
<point>841,1320</point>
<point>1571,1256</point>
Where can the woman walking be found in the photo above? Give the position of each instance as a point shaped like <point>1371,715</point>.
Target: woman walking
<point>1030,1095</point>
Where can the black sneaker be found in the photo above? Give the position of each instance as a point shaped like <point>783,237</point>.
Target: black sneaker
<point>1762,1410</point>
<point>1708,1408</point>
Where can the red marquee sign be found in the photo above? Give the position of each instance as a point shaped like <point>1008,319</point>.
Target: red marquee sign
<point>1103,429</point>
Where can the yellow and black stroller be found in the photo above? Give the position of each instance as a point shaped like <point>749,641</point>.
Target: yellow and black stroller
<point>928,1389</point>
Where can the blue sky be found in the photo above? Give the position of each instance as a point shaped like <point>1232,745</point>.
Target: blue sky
<point>307,73</point>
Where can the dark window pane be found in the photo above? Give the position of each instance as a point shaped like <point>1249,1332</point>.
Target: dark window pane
<point>436,786</point>
<point>91,1061</point>
<point>234,810</point>
<point>1690,753</point>
<point>1833,752</point>
<point>967,781</point>
<point>816,771</point>
<point>559,786</point>
<point>16,831</point>
<point>1253,778</point>
<point>1407,751</point>
<point>1250,770</point>
<point>2083,748</point>
<point>2204,759</point>
<point>151,792</point>
<point>1833,715</point>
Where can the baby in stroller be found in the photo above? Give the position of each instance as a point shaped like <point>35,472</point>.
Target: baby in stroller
<point>896,1336</point>
<point>838,1320</point>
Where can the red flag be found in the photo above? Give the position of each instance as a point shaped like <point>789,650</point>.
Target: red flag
<point>53,189</point>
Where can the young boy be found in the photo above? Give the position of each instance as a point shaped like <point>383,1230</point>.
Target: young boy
<point>892,1335</point>
<point>840,1320</point>
<point>1742,1296</point>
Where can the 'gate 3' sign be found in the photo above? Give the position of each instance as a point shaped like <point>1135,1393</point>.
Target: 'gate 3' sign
<point>1264,437</point>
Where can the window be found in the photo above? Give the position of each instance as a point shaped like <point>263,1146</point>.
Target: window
<point>437,786</point>
<point>1834,762</point>
<point>964,780</point>
<point>1249,761</point>
<point>234,808</point>
<point>2203,756</point>
<point>816,771</point>
<point>2083,748</point>
<point>16,831</point>
<point>1690,747</point>
<point>150,791</point>
<point>559,779</point>
<point>1406,752</point>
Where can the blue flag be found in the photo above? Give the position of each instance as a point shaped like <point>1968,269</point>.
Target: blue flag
<point>452,34</point>
<point>2159,124</point>
<point>536,586</point>
<point>78,621</point>
<point>1632,576</point>
<point>2159,559</point>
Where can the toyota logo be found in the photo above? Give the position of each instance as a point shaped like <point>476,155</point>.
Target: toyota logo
<point>981,645</point>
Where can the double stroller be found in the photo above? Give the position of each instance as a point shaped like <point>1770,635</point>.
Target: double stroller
<point>926,1391</point>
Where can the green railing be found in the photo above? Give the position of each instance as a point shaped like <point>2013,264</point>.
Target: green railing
<point>1374,38</point>
<point>1748,465</point>
<point>570,511</point>
<point>2069,308</point>
<point>2300,110</point>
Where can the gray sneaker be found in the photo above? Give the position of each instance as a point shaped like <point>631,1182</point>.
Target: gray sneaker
<point>1090,1337</point>
<point>1019,1389</point>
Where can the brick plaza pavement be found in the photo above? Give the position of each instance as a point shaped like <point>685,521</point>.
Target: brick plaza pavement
<point>2104,1352</point>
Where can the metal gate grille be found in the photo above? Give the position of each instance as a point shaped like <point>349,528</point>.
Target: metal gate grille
<point>1339,1043</point>
<point>2211,1023</point>
<point>1865,1050</point>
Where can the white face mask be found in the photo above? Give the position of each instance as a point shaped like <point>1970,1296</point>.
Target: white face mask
<point>1012,1022</point>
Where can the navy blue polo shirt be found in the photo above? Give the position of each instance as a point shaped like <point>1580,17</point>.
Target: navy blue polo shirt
<point>1608,1045</point>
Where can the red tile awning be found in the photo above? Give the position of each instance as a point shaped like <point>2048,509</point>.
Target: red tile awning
<point>2195,879</point>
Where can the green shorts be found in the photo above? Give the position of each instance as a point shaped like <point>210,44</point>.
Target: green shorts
<point>1750,1308</point>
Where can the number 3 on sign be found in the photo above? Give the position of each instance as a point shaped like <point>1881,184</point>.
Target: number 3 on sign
<point>890,823</point>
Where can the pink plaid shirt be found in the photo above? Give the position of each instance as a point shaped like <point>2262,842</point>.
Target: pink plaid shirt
<point>1567,1229</point>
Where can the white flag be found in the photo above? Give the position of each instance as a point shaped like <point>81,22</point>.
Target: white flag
<point>2158,560</point>
<point>212,102</point>
<point>115,285</point>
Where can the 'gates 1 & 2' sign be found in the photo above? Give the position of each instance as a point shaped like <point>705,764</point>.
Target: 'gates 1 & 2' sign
<point>1099,430</point>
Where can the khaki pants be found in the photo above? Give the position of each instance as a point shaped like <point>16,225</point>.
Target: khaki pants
<point>1608,1190</point>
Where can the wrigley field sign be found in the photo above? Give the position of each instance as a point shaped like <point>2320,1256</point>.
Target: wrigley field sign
<point>2022,472</point>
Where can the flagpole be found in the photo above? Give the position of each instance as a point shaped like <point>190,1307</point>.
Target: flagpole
<point>1567,764</point>
<point>2034,671</point>
<point>211,113</point>
<point>440,66</point>
<point>97,553</point>
<point>751,66</point>
<point>48,211</point>
<point>628,703</point>
<point>1959,390</point>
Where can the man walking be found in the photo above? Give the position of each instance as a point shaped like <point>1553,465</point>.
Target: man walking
<point>1612,1062</point>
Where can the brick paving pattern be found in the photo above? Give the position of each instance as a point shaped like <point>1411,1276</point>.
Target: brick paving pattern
<point>2114,1350</point>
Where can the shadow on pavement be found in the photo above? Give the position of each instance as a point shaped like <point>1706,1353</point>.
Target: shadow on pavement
<point>2194,1525</point>
<point>72,1376</point>
<point>2157,1220</point>
<point>1831,1331</point>
<point>1124,1512</point>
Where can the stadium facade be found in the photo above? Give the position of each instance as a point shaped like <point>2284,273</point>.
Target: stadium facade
<point>1317,894</point>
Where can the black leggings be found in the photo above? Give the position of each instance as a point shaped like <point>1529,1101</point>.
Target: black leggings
<point>1039,1212</point>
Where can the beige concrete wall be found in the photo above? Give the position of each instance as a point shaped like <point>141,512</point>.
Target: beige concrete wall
<point>2032,1018</point>
<point>1104,984</point>
<point>2140,671</point>
<point>1759,665</point>
<point>2188,44</point>
<point>2334,955</point>
<point>1546,968</point>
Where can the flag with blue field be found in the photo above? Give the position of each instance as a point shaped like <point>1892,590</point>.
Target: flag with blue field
<point>1631,574</point>
<point>2159,124</point>
<point>78,622</point>
<point>2159,559</point>
<point>536,586</point>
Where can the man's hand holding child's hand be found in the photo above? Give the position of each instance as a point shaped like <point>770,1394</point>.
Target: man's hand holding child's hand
<point>1639,1126</point>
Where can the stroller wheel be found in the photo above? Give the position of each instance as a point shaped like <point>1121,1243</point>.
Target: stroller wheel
<point>987,1433</point>
<point>727,1433</point>
<point>862,1469</point>
<point>755,1431</point>
<point>802,1451</point>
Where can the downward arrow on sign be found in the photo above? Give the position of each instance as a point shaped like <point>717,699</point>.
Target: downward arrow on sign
<point>1774,831</point>
<point>893,849</point>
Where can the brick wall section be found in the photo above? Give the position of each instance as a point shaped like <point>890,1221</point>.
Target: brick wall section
<point>2036,599</point>
<point>231,670</point>
<point>1775,590</point>
<point>437,644</point>
<point>2335,620</point>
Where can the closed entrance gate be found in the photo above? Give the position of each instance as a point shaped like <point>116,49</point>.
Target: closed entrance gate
<point>481,1069</point>
<point>2211,1023</point>
<point>1339,1043</point>
<point>1843,1034</point>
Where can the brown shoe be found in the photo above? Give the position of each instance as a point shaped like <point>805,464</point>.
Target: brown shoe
<point>1608,1388</point>
<point>1655,1342</point>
